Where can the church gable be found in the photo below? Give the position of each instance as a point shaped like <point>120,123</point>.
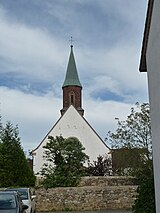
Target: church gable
<point>72,124</point>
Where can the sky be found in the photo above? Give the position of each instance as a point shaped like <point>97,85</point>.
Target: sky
<point>34,52</point>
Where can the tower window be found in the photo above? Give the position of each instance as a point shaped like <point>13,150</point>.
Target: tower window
<point>72,98</point>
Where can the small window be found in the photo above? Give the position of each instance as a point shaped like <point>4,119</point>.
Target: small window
<point>72,98</point>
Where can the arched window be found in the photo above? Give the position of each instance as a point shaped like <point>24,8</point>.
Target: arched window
<point>72,98</point>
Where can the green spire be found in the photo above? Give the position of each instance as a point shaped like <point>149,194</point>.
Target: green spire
<point>71,78</point>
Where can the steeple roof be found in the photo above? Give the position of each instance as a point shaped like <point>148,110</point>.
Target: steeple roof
<point>71,78</point>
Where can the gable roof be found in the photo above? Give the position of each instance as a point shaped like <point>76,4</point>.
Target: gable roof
<point>71,78</point>
<point>61,119</point>
<point>143,65</point>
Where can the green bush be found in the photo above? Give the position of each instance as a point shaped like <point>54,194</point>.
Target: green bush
<point>145,201</point>
<point>101,167</point>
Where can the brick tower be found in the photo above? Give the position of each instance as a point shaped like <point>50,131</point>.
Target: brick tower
<point>72,88</point>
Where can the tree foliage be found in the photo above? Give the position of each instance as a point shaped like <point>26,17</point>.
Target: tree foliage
<point>126,161</point>
<point>135,131</point>
<point>145,202</point>
<point>65,159</point>
<point>133,143</point>
<point>14,168</point>
<point>101,167</point>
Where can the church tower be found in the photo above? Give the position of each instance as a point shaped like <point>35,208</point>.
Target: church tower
<point>72,88</point>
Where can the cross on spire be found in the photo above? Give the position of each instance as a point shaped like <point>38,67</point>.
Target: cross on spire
<point>71,40</point>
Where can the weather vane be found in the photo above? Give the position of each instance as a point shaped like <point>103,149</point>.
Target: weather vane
<point>71,40</point>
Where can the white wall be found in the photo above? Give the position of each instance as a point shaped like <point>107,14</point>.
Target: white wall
<point>153,71</point>
<point>72,124</point>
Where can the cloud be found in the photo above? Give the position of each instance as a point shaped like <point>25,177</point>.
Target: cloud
<point>114,70</point>
<point>29,51</point>
<point>34,54</point>
<point>33,114</point>
<point>101,115</point>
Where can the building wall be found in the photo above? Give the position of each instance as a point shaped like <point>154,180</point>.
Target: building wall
<point>153,71</point>
<point>95,193</point>
<point>72,124</point>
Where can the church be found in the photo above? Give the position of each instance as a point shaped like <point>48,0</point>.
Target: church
<point>72,122</point>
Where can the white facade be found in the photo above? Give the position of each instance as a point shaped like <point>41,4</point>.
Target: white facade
<point>72,124</point>
<point>153,72</point>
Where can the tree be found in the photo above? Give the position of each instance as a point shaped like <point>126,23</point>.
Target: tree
<point>101,167</point>
<point>133,141</point>
<point>65,159</point>
<point>145,200</point>
<point>0,124</point>
<point>126,161</point>
<point>135,131</point>
<point>14,168</point>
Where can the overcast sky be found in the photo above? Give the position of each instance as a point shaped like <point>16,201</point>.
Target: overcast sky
<point>34,52</point>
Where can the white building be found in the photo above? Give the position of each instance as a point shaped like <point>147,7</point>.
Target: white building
<point>150,63</point>
<point>72,123</point>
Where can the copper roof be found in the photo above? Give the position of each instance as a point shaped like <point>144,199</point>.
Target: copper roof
<point>72,78</point>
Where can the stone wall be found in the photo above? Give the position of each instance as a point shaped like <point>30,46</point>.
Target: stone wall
<point>107,181</point>
<point>95,193</point>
